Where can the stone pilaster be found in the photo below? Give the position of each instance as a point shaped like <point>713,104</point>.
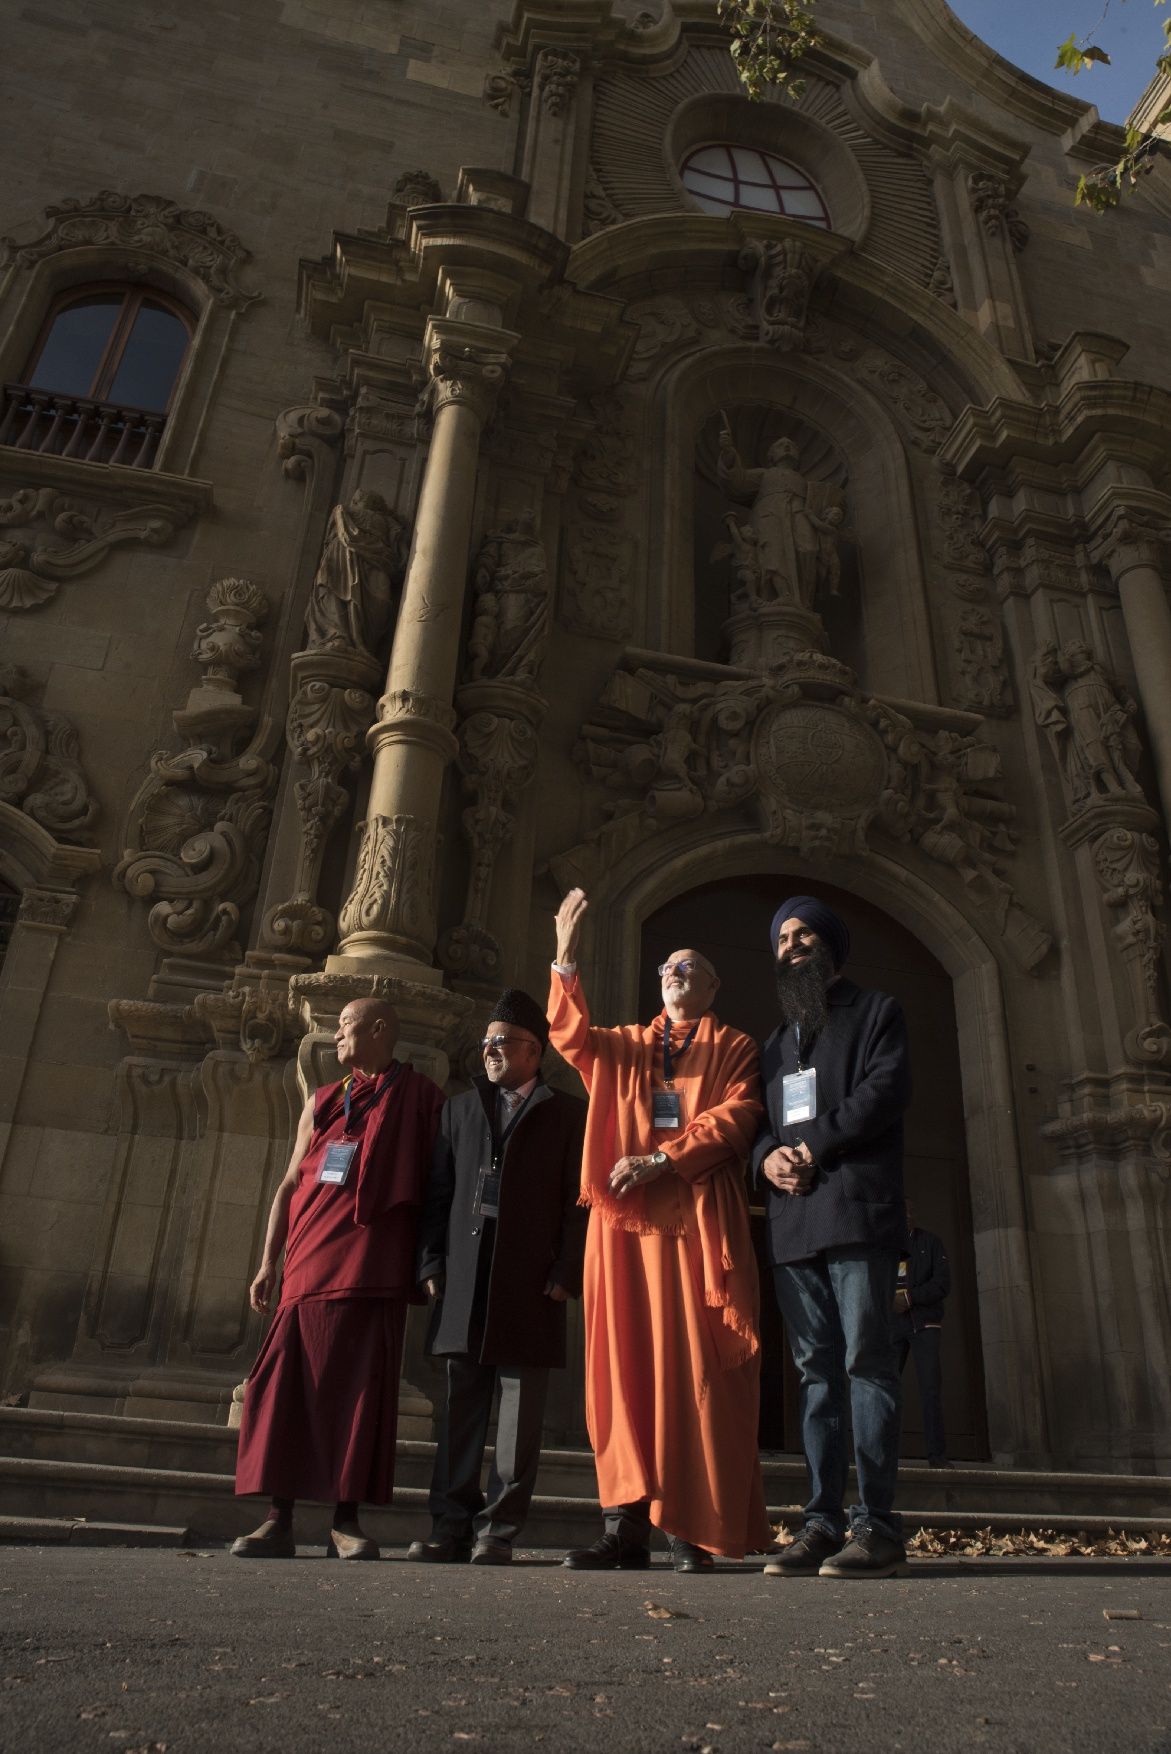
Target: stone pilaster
<point>1131,551</point>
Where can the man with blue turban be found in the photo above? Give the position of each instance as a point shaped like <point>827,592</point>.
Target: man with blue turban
<point>830,1153</point>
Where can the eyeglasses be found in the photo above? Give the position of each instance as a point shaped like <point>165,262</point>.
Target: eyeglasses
<point>686,966</point>
<point>495,1044</point>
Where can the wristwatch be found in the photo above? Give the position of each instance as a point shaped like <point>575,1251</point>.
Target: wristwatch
<point>660,1159</point>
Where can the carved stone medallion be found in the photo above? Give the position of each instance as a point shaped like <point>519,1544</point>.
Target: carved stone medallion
<point>817,757</point>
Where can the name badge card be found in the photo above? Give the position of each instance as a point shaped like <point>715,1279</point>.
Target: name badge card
<point>488,1194</point>
<point>798,1096</point>
<point>335,1165</point>
<point>666,1111</point>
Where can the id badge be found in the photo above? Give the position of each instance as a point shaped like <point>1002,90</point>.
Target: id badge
<point>666,1111</point>
<point>904,1263</point>
<point>335,1165</point>
<point>487,1194</point>
<point>798,1096</point>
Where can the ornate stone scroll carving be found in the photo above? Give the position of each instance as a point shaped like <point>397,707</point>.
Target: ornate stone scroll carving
<point>1113,1116</point>
<point>351,603</point>
<point>304,438</point>
<point>664,324</point>
<point>329,714</point>
<point>497,759</point>
<point>912,404</point>
<point>1090,722</point>
<point>942,284</point>
<point>558,71</point>
<point>394,885</point>
<point>500,89</point>
<point>40,764</point>
<point>822,768</point>
<point>994,210</point>
<point>598,211</point>
<point>196,828</point>
<point>46,536</point>
<point>511,623</point>
<point>783,273</point>
<point>151,223</point>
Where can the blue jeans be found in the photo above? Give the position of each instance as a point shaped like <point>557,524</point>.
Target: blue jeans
<point>837,1309</point>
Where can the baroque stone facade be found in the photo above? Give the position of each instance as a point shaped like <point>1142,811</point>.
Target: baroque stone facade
<point>520,518</point>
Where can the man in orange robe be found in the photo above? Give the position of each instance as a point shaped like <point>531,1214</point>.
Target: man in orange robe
<point>670,1294</point>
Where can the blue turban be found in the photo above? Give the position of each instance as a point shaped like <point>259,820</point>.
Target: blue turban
<point>830,927</point>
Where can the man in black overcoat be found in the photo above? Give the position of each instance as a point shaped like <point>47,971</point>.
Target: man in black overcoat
<point>918,1327</point>
<point>830,1152</point>
<point>501,1242</point>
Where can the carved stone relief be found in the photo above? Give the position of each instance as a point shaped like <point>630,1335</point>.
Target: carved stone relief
<point>152,223</point>
<point>416,189</point>
<point>47,536</point>
<point>558,71</point>
<point>599,555</point>
<point>1089,721</point>
<point>981,677</point>
<point>782,276</point>
<point>394,885</point>
<point>329,714</point>
<point>994,210</point>
<point>819,765</point>
<point>40,765</point>
<point>510,627</point>
<point>196,829</point>
<point>598,211</point>
<point>304,438</point>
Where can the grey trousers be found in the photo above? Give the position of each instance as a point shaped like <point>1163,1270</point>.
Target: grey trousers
<point>458,1507</point>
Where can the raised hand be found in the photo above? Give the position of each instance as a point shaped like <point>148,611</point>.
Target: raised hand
<point>569,918</point>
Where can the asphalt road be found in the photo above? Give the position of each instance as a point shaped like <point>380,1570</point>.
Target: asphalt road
<point>133,1652</point>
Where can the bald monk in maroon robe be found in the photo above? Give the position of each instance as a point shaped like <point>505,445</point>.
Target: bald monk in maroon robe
<point>321,1410</point>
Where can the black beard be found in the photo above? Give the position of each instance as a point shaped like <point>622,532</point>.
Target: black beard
<point>801,992</point>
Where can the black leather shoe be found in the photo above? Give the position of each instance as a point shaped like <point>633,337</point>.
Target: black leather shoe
<point>805,1556</point>
<point>608,1553</point>
<point>491,1552</point>
<point>868,1553</point>
<point>447,1550</point>
<point>686,1556</point>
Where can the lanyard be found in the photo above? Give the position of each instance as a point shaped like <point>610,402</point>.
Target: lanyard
<point>797,1041</point>
<point>668,1068</point>
<point>368,1094</point>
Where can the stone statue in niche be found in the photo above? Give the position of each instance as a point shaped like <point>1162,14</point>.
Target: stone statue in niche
<point>788,550</point>
<point>352,600</point>
<point>511,622</point>
<point>1090,724</point>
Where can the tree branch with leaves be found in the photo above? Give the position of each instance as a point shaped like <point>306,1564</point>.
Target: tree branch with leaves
<point>769,40</point>
<point>1103,187</point>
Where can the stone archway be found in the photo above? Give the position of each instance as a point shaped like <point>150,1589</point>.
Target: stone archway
<point>728,918</point>
<point>634,885</point>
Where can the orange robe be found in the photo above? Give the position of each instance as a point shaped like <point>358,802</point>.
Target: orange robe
<point>671,1295</point>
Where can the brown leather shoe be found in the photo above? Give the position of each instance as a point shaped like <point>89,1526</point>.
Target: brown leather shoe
<point>269,1541</point>
<point>351,1545</point>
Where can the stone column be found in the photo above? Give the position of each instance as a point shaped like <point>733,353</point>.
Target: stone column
<point>388,922</point>
<point>1131,553</point>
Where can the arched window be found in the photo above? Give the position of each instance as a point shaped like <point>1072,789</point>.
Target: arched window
<point>720,177</point>
<point>101,376</point>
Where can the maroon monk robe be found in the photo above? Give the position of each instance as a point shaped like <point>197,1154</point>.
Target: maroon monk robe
<point>321,1411</point>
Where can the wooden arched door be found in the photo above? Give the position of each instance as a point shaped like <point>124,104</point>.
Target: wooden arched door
<point>729,921</point>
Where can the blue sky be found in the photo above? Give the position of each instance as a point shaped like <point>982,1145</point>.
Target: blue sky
<point>1028,32</point>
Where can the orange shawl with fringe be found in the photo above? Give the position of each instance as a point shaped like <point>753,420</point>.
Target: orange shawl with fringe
<point>671,1291</point>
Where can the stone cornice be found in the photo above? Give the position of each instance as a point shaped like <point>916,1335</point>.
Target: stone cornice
<point>30,855</point>
<point>1126,419</point>
<point>183,495</point>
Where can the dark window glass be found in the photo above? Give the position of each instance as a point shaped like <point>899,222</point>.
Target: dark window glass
<point>114,344</point>
<point>76,345</point>
<point>150,362</point>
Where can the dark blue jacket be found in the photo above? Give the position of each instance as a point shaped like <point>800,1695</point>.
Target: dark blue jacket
<point>928,1282</point>
<point>856,1136</point>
